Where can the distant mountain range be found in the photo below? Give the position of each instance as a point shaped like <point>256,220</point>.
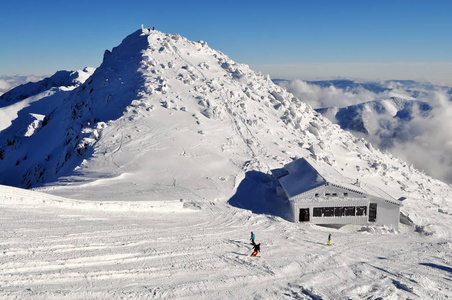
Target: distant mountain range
<point>385,119</point>
<point>408,118</point>
<point>415,88</point>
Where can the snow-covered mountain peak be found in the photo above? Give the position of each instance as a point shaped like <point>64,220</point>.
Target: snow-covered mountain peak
<point>167,118</point>
<point>165,153</point>
<point>150,72</point>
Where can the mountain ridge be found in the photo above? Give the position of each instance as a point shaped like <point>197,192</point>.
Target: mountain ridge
<point>167,118</point>
<point>154,171</point>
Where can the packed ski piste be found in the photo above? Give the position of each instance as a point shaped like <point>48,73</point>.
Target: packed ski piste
<point>144,180</point>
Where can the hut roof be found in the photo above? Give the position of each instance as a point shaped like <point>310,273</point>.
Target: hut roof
<point>305,174</point>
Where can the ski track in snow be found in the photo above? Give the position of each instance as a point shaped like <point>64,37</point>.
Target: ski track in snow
<point>56,253</point>
<point>180,150</point>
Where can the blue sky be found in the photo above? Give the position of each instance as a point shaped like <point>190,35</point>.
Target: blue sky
<point>291,39</point>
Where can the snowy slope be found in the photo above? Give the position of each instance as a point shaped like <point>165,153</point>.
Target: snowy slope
<point>417,131</point>
<point>51,250</point>
<point>162,80</point>
<point>59,79</point>
<point>52,87</point>
<point>173,122</point>
<point>407,118</point>
<point>164,111</point>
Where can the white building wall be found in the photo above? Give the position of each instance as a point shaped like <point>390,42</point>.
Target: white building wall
<point>295,211</point>
<point>357,220</point>
<point>334,192</point>
<point>387,213</point>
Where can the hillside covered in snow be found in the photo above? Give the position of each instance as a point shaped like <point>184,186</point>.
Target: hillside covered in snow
<point>407,118</point>
<point>54,87</point>
<point>166,152</point>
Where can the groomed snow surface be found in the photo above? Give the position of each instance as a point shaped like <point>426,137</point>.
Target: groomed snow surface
<point>150,176</point>
<point>56,248</point>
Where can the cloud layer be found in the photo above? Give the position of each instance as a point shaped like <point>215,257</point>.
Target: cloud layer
<point>431,147</point>
<point>9,82</point>
<point>437,72</point>
<point>427,142</point>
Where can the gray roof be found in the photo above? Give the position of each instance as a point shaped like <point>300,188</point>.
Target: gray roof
<point>306,174</point>
<point>302,177</point>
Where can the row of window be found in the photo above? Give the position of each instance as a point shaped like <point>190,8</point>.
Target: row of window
<point>330,194</point>
<point>339,211</point>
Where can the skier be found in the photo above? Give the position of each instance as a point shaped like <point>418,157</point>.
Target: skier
<point>329,240</point>
<point>257,248</point>
<point>253,236</point>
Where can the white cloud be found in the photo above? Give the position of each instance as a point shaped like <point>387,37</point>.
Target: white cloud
<point>319,97</point>
<point>431,149</point>
<point>438,73</point>
<point>9,82</point>
<point>428,141</point>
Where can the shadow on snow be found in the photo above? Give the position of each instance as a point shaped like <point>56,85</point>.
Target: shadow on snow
<point>257,193</point>
<point>440,267</point>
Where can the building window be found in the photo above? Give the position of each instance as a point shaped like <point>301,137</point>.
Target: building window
<point>338,211</point>
<point>361,210</point>
<point>345,194</point>
<point>317,211</point>
<point>316,194</point>
<point>343,211</point>
<point>328,211</point>
<point>335,194</point>
<point>327,194</point>
<point>349,211</point>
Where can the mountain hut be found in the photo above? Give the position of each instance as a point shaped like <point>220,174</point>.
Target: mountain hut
<point>319,194</point>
